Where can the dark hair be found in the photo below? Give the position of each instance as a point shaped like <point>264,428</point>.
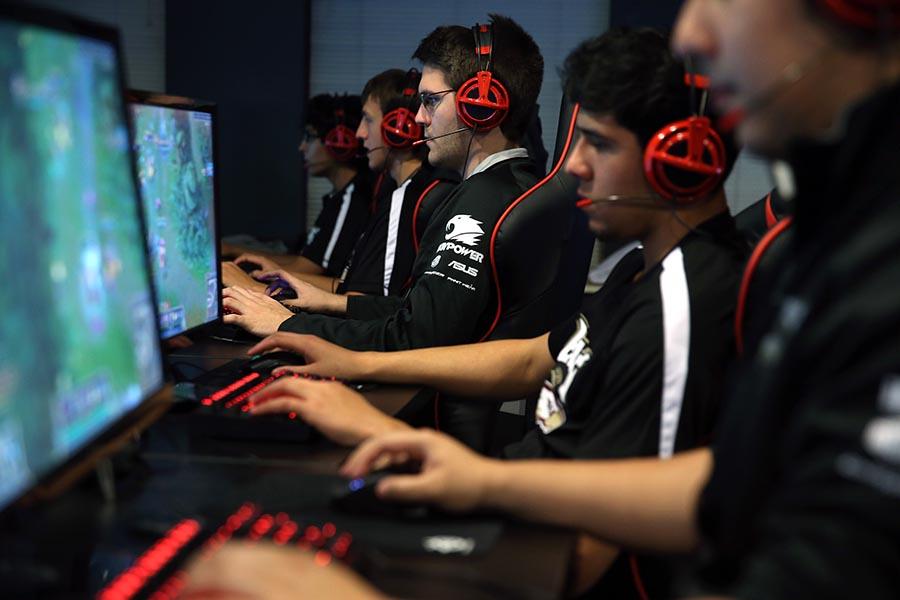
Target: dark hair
<point>631,75</point>
<point>387,89</point>
<point>322,112</point>
<point>516,62</point>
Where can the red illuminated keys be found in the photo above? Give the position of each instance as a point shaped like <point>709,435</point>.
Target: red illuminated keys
<point>341,545</point>
<point>232,524</point>
<point>261,527</point>
<point>243,396</point>
<point>285,533</point>
<point>229,389</point>
<point>327,543</point>
<point>171,588</point>
<point>328,530</point>
<point>150,562</point>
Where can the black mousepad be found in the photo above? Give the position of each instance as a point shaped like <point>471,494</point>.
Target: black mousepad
<point>179,491</point>
<point>442,536</point>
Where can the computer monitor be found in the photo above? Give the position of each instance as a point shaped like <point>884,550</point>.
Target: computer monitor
<point>79,344</point>
<point>174,149</point>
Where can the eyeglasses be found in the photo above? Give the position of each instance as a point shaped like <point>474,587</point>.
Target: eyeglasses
<point>430,100</point>
<point>309,135</point>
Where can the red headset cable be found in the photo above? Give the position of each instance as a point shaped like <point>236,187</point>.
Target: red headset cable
<point>636,578</point>
<point>752,264</point>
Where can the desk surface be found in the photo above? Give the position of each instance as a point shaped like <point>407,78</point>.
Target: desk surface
<point>70,546</point>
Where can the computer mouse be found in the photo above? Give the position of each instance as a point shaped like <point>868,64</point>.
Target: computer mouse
<point>278,288</point>
<point>271,360</point>
<point>248,266</point>
<point>358,497</point>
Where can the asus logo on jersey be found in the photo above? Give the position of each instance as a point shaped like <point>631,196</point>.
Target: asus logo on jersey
<point>464,229</point>
<point>461,267</point>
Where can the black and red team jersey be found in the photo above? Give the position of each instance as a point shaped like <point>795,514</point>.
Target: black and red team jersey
<point>382,261</point>
<point>344,216</point>
<point>641,369</point>
<point>804,498</point>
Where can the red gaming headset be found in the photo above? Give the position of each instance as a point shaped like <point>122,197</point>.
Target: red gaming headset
<point>340,141</point>
<point>398,127</point>
<point>685,160</point>
<point>482,102</point>
<point>870,15</point>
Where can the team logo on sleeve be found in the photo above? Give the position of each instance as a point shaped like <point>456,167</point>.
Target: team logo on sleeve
<point>551,407</point>
<point>463,229</point>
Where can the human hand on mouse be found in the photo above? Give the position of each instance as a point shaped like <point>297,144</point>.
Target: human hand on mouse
<point>244,570</point>
<point>339,413</point>
<point>309,297</point>
<point>452,476</point>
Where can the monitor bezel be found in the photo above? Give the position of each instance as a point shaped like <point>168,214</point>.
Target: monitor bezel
<point>162,100</point>
<point>156,399</point>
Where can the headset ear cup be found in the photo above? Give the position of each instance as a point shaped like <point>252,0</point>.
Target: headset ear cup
<point>685,160</point>
<point>482,102</point>
<point>341,143</point>
<point>399,128</point>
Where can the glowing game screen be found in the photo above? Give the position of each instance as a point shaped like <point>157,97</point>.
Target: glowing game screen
<point>174,153</point>
<point>79,344</point>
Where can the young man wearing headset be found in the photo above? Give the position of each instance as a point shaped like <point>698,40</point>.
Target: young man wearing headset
<point>330,150</point>
<point>453,295</point>
<point>640,371</point>
<point>798,496</point>
<point>381,263</point>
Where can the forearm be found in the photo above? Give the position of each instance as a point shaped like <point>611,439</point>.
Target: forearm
<point>639,503</point>
<point>323,282</point>
<point>498,369</point>
<point>299,264</point>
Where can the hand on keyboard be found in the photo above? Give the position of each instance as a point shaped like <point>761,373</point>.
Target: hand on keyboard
<point>242,570</point>
<point>322,358</point>
<point>339,413</point>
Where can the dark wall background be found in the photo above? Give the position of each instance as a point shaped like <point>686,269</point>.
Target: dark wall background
<point>253,62</point>
<point>644,13</point>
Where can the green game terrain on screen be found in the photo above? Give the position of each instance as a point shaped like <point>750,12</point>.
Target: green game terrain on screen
<point>77,337</point>
<point>175,170</point>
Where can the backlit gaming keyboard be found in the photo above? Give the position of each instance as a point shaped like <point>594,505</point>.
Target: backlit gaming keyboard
<point>223,401</point>
<point>250,371</point>
<point>158,573</point>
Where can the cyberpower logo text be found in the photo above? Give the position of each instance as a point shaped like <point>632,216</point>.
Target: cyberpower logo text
<point>462,251</point>
<point>464,230</point>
